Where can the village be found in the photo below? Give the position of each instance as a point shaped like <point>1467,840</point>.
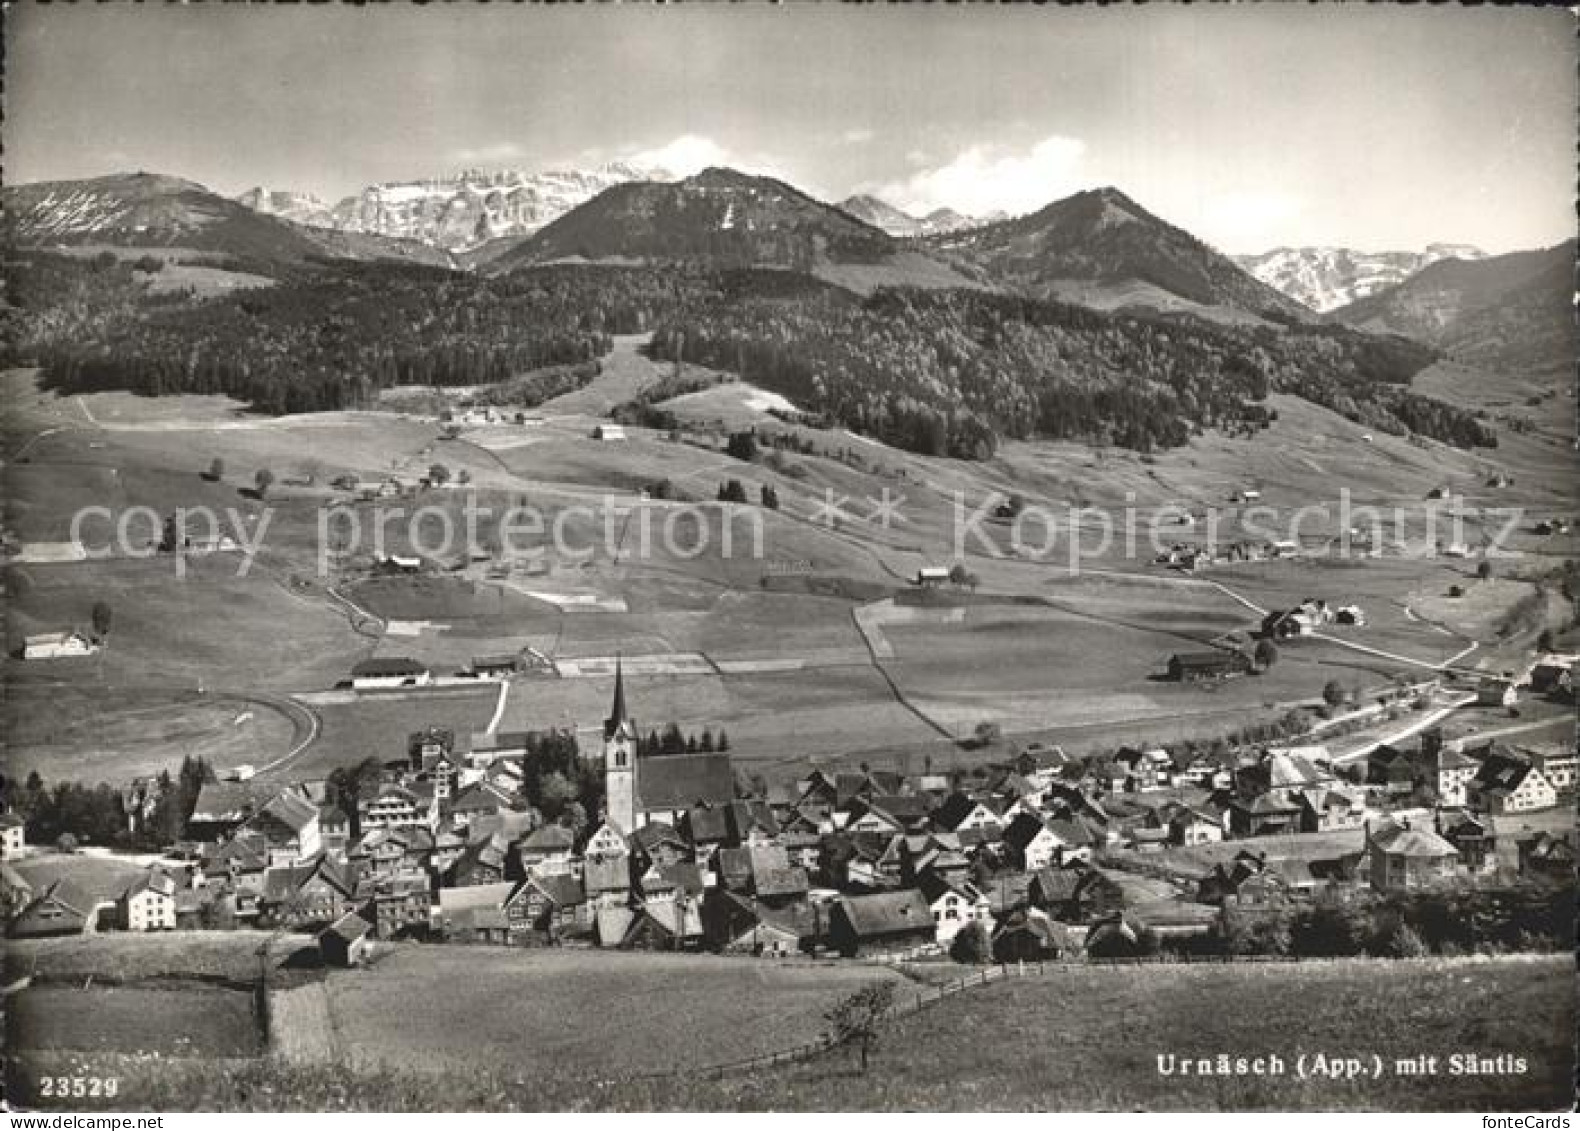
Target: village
<point>1038,856</point>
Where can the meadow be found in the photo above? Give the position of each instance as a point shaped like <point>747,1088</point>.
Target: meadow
<point>1074,1039</point>
<point>439,1008</point>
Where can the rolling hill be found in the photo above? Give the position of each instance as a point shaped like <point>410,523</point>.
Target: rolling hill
<point>725,219</point>
<point>1101,249</point>
<point>1510,310</point>
<point>154,211</point>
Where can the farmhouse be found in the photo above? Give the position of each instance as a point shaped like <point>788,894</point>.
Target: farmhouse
<point>1507,784</point>
<point>609,432</point>
<point>500,666</point>
<point>885,920</point>
<point>60,909</point>
<point>389,671</point>
<point>930,576</point>
<point>149,904</point>
<point>57,646</point>
<point>1193,666</point>
<point>1558,766</point>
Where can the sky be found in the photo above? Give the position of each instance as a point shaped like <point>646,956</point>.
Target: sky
<point>1378,127</point>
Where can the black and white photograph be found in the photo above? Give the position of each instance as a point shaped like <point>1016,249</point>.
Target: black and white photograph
<point>794,557</point>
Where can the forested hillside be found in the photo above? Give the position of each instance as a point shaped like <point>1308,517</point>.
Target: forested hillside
<point>937,372</point>
<point>327,340</point>
<point>948,372</point>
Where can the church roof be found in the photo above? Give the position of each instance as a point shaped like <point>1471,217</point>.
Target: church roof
<point>680,781</point>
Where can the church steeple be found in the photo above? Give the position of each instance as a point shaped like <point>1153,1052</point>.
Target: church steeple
<point>619,759</point>
<point>618,719</point>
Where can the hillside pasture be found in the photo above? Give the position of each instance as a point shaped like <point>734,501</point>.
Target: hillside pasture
<point>210,629</point>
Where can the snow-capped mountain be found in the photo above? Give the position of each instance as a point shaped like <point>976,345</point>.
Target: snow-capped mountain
<point>1326,278</point>
<point>885,216</point>
<point>456,213</point>
<point>301,207</point>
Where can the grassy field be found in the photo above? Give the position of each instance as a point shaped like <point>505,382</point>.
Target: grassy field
<point>115,734</point>
<point>578,1015</point>
<point>126,956</point>
<point>175,1020</point>
<point>378,725</point>
<point>1082,1038</point>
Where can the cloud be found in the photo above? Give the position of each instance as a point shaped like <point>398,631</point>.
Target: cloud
<point>1240,219</point>
<point>497,153</point>
<point>990,178</point>
<point>684,156</point>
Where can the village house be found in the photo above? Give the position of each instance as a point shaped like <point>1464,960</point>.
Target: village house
<point>1031,844</point>
<point>15,891</point>
<point>953,906</point>
<point>1404,857</point>
<point>474,914</point>
<point>318,891</point>
<point>551,907</point>
<point>12,829</point>
<point>1558,765</point>
<point>1472,837</point>
<point>402,905</point>
<point>1189,827</point>
<point>1547,856</point>
<point>288,828</point>
<point>148,904</point>
<point>547,851</point>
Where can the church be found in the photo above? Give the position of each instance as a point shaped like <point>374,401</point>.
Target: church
<point>638,791</point>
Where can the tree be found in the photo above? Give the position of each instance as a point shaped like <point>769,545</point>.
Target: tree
<point>1266,654</point>
<point>724,741</point>
<point>770,497</point>
<point>438,475</point>
<point>1333,693</point>
<point>1544,642</point>
<point>855,1020</point>
<point>958,575</point>
<point>1484,571</point>
<point>987,732</point>
<point>742,445</point>
<point>216,470</point>
<point>262,481</point>
<point>972,946</point>
<point>732,492</point>
<point>102,616</point>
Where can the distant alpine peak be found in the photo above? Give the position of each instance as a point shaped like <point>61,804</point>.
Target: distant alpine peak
<point>1326,278</point>
<point>897,222</point>
<point>457,211</point>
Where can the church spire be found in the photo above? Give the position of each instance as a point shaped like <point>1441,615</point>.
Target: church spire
<point>617,714</point>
